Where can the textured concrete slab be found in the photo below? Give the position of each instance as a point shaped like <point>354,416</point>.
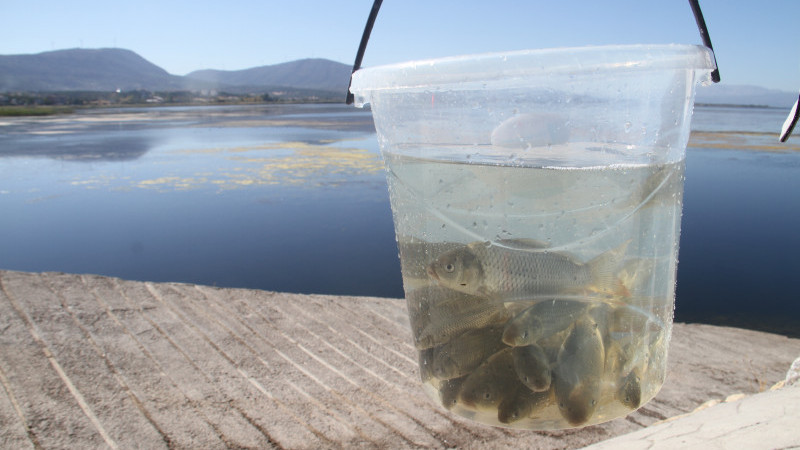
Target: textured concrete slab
<point>764,421</point>
<point>90,361</point>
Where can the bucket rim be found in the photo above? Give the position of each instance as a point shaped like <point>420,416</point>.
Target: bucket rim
<point>489,68</point>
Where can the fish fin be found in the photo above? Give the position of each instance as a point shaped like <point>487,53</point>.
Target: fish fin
<point>484,293</point>
<point>604,268</point>
<point>634,272</point>
<point>620,289</point>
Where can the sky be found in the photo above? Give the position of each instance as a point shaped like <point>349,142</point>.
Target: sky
<point>755,42</point>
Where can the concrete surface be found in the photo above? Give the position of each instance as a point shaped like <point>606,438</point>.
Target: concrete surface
<point>96,362</point>
<point>770,420</point>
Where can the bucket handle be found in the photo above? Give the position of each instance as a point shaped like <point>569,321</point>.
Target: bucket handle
<point>376,5</point>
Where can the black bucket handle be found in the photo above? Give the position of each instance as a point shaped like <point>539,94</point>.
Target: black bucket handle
<point>376,5</point>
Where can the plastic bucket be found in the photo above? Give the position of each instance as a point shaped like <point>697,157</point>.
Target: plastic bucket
<point>537,202</point>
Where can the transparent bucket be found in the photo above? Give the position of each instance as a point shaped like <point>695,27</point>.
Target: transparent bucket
<point>537,202</point>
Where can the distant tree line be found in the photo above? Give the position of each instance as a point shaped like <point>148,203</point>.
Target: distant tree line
<point>132,97</point>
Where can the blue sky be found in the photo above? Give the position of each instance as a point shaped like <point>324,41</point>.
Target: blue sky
<point>756,42</point>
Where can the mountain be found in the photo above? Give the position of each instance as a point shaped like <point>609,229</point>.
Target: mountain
<point>321,74</point>
<point>734,94</point>
<point>104,69</point>
<point>109,69</point>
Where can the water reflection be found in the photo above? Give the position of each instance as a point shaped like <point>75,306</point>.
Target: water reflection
<point>183,148</point>
<point>128,134</point>
<point>83,149</point>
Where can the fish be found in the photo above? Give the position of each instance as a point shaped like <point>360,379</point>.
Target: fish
<point>532,367</point>
<point>541,320</point>
<point>415,255</point>
<point>449,390</point>
<point>523,404</point>
<point>449,319</point>
<point>512,268</point>
<point>420,301</point>
<point>578,372</point>
<point>438,314</point>
<point>464,353</point>
<point>491,383</point>
<point>629,390</point>
<point>623,364</point>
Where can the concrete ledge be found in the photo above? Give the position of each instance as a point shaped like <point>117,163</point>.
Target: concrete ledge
<point>91,361</point>
<point>768,420</point>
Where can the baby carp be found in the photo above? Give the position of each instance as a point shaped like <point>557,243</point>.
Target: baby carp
<point>491,383</point>
<point>452,317</point>
<point>542,320</point>
<point>519,268</point>
<point>461,356</point>
<point>532,367</point>
<point>578,372</point>
<point>523,404</point>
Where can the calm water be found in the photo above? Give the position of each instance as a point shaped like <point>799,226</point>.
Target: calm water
<point>293,198</point>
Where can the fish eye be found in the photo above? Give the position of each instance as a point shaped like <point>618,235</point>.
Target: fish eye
<point>450,268</point>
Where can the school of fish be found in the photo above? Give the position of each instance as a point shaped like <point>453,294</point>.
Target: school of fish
<point>514,329</point>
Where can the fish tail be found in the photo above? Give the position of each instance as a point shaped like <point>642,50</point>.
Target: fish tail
<point>604,270</point>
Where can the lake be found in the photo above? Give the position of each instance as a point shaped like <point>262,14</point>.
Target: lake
<point>293,198</point>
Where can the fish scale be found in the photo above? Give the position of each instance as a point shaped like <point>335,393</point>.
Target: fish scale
<point>521,272</point>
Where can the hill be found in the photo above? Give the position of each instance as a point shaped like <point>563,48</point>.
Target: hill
<point>111,69</point>
<point>745,95</point>
<point>105,69</point>
<point>320,74</point>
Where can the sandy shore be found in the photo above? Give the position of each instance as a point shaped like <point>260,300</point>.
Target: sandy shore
<point>90,361</point>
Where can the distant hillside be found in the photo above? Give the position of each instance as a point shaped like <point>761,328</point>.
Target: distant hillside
<point>722,93</point>
<point>320,74</point>
<point>109,69</point>
<point>104,69</point>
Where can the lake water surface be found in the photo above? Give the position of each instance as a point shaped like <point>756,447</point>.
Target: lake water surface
<point>293,198</point>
